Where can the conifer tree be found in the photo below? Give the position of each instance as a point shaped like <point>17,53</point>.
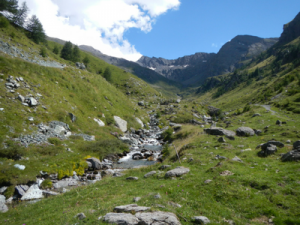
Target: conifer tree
<point>76,54</point>
<point>20,16</point>
<point>107,74</point>
<point>9,5</point>
<point>37,33</point>
<point>66,52</point>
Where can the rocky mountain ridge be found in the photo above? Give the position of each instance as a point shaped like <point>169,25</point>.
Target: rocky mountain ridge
<point>194,69</point>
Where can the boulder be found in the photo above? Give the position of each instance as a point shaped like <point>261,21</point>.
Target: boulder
<point>201,220</point>
<point>80,216</point>
<point>137,156</point>
<point>277,143</point>
<point>293,155</point>
<point>21,98</point>
<point>122,124</point>
<point>141,103</point>
<point>3,207</point>
<point>121,218</point>
<point>33,193</point>
<point>237,159</point>
<point>221,140</point>
<point>96,164</point>
<point>179,171</point>
<point>296,144</point>
<point>150,174</point>
<point>73,117</point>
<point>220,131</point>
<point>136,199</point>
<point>245,131</point>
<point>278,122</point>
<point>164,167</point>
<point>130,208</point>
<point>139,121</point>
<point>267,149</point>
<point>132,178</point>
<point>32,102</point>
<point>80,65</point>
<point>256,114</point>
<point>158,217</point>
<point>100,122</point>
<point>21,189</point>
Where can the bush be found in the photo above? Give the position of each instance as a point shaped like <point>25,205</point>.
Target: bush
<point>165,152</point>
<point>54,141</point>
<point>46,184</point>
<point>43,52</point>
<point>14,151</point>
<point>3,22</point>
<point>12,35</point>
<point>9,191</point>
<point>167,135</point>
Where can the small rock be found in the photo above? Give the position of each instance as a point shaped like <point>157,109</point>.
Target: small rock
<point>136,199</point>
<point>226,173</point>
<point>164,167</point>
<point>157,196</point>
<point>278,122</point>
<point>80,216</point>
<point>221,140</point>
<point>132,178</point>
<point>237,159</point>
<point>179,171</point>
<point>150,174</point>
<point>20,167</point>
<point>207,181</point>
<point>201,220</point>
<point>121,218</point>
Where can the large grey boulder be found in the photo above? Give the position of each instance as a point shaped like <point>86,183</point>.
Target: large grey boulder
<point>156,218</point>
<point>245,131</point>
<point>96,164</point>
<point>121,218</point>
<point>267,149</point>
<point>201,220</point>
<point>32,102</point>
<point>179,171</point>
<point>277,143</point>
<point>130,208</point>
<point>33,193</point>
<point>220,131</point>
<point>122,124</point>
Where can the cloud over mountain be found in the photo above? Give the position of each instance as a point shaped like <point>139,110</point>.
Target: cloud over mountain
<point>100,23</point>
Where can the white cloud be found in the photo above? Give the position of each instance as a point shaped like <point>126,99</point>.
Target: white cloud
<point>99,23</point>
<point>214,45</point>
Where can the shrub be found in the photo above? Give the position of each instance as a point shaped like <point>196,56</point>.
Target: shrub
<point>43,52</point>
<point>12,35</point>
<point>54,141</point>
<point>14,151</point>
<point>165,152</point>
<point>167,135</point>
<point>46,184</point>
<point>3,22</point>
<point>246,108</point>
<point>9,191</point>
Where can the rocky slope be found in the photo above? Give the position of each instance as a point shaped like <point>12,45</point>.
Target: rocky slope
<point>290,30</point>
<point>194,69</point>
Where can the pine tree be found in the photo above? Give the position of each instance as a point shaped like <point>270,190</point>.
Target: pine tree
<point>21,15</point>
<point>37,33</point>
<point>76,54</point>
<point>55,50</point>
<point>107,74</point>
<point>86,61</point>
<point>9,5</point>
<point>66,52</point>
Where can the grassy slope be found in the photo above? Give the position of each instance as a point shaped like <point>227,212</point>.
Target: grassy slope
<point>84,93</point>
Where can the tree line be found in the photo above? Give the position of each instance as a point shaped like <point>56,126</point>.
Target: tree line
<point>18,16</point>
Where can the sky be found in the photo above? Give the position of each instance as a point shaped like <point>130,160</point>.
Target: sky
<point>160,28</point>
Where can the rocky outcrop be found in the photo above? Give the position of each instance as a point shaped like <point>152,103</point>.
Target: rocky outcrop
<point>130,208</point>
<point>269,148</point>
<point>33,193</point>
<point>245,131</point>
<point>179,171</point>
<point>122,124</point>
<point>80,65</point>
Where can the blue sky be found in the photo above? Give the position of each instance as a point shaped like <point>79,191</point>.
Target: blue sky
<point>205,25</point>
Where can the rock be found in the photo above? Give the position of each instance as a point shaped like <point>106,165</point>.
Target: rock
<point>156,218</point>
<point>258,132</point>
<point>201,220</point>
<point>121,218</point>
<point>137,156</point>
<point>140,122</point>
<point>50,193</point>
<point>73,117</point>
<point>178,101</point>
<point>220,131</point>
<point>96,164</point>
<point>278,122</point>
<point>33,193</point>
<point>80,65</point>
<point>226,173</point>
<point>179,171</point>
<point>268,149</point>
<point>21,189</point>
<point>32,102</point>
<point>150,174</point>
<point>3,189</point>
<point>100,122</point>
<point>277,143</point>
<point>108,172</point>
<point>141,103</point>
<point>80,216</point>
<point>3,207</point>
<point>256,114</point>
<point>293,155</point>
<point>157,196</point>
<point>221,140</point>
<point>296,144</point>
<point>130,208</point>
<point>21,98</point>
<point>20,167</point>
<point>132,178</point>
<point>122,124</point>
<point>245,131</point>
<point>237,159</point>
<point>174,204</point>
<point>207,181</point>
<point>219,157</point>
<point>136,199</point>
<point>213,111</point>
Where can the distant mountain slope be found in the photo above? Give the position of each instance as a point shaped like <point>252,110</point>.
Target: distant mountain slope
<point>194,69</point>
<point>290,30</point>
